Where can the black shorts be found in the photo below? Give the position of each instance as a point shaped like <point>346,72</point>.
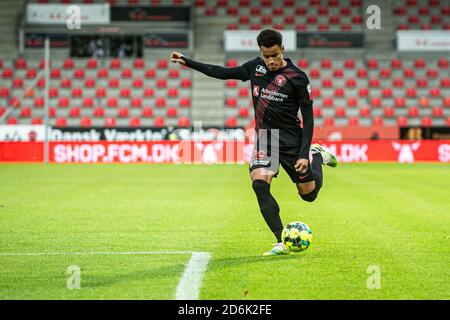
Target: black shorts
<point>270,158</point>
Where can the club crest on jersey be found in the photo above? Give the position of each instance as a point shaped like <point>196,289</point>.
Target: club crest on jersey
<point>261,69</point>
<point>280,80</point>
<point>256,91</point>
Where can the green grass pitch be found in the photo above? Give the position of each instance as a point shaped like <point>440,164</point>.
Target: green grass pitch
<point>394,216</point>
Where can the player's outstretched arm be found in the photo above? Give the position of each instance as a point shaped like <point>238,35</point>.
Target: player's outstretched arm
<point>211,70</point>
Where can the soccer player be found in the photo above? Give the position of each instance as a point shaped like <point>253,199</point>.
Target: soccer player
<point>279,89</point>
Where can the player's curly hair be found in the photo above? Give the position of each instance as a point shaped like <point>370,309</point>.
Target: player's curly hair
<point>269,37</point>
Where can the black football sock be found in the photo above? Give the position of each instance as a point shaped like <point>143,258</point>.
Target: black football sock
<point>269,207</point>
<point>316,168</point>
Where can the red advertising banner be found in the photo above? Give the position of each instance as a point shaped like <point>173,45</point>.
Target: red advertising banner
<point>211,152</point>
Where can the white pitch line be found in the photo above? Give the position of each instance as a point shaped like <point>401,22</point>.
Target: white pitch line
<point>191,281</point>
<point>189,286</point>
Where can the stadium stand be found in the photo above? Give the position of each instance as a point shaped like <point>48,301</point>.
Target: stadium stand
<point>355,89</point>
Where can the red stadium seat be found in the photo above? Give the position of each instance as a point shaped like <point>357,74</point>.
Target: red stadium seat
<point>353,121</point>
<point>446,102</point>
<point>161,83</point>
<point>300,11</point>
<point>327,83</point>
<point>289,20</point>
<point>411,92</point>
<point>25,112</point>
<point>361,73</point>
<point>323,27</point>
<point>315,93</point>
<point>445,82</point>
<point>21,63</point>
<point>232,11</point>
<point>426,122</point>
<point>398,83</point>
<point>77,92</point>
<point>36,120</point>
<point>314,73</point>
<point>374,83</point>
<point>137,83</point>
<point>85,122</point>
<point>185,83</point>
<point>437,112</point>
<point>301,27</point>
<point>389,112</point>
<point>339,92</point>
<point>52,112</point>
<point>63,102</point>
<point>89,83</point>
<point>160,102</point>
<point>91,64</point>
<point>111,102</point>
<point>352,102</point>
<point>350,83</point>
<point>402,121</point>
<point>11,121</point>
<point>396,64</point>
<point>123,112</point>
<point>435,92</point>
<point>363,92</point>
<point>385,73</point>
<point>150,73</point>
<point>4,92</point>
<point>162,64</point>
<point>443,63</point>
<point>409,73</point>
<point>31,73</point>
<point>2,110</point>
<point>231,122</point>
<point>7,73</point>
<point>338,73</point>
<point>243,92</point>
<point>364,112</point>
<point>134,122</point>
<point>171,112</point>
<point>326,63</point>
<point>413,112</point>
<point>125,93</point>
<point>372,63</point>
<point>100,92</point>
<point>139,63</point>
<point>432,73</point>
<point>110,122</point>
<point>17,83</point>
<point>147,112</point>
<point>68,63</point>
<point>243,112</point>
<point>55,73</point>
<point>174,73</point>
<point>386,92</point>
<point>183,122</point>
<point>419,63</point>
<point>328,122</point>
<point>231,102</point>
<point>375,102</point>
<point>99,112</point>
<point>346,27</point>
<point>136,102</point>
<point>61,122</point>
<point>115,64</point>
<point>158,122</point>
<point>424,102</point>
<point>231,83</point>
<point>126,73</point>
<point>377,121</point>
<point>78,74</point>
<point>399,102</point>
<point>149,92</point>
<point>39,102</point>
<point>185,103</point>
<point>340,112</point>
<point>88,102</point>
<point>317,112</point>
<point>327,102</point>
<point>74,112</point>
<point>172,92</point>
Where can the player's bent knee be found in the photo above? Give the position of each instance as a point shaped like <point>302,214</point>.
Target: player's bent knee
<point>309,197</point>
<point>260,186</point>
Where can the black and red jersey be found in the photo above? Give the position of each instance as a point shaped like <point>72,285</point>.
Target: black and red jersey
<point>277,97</point>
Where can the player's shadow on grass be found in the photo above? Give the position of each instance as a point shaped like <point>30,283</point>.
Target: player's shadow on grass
<point>174,272</point>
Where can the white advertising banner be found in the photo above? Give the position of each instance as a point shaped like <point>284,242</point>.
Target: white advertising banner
<point>22,133</point>
<point>245,40</point>
<point>423,40</point>
<point>61,14</point>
